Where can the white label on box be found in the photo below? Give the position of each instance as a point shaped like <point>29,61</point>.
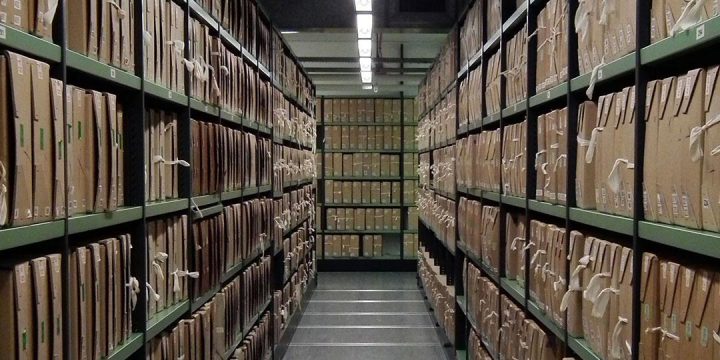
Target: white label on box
<point>169,94</point>
<point>2,28</point>
<point>113,73</point>
<point>700,32</point>
<point>675,204</point>
<point>660,204</point>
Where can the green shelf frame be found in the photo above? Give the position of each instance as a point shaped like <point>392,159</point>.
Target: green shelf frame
<point>364,178</point>
<point>166,207</point>
<point>162,320</point>
<point>611,71</point>
<point>127,348</point>
<point>203,15</point>
<point>160,92</point>
<point>516,19</point>
<point>99,70</point>
<point>20,41</point>
<point>542,207</point>
<point>582,349</point>
<point>539,315</point>
<point>205,200</point>
<point>515,201</point>
<point>461,354</point>
<point>362,205</point>
<point>360,232</point>
<point>618,224</point>
<point>492,41</point>
<point>513,288</point>
<point>694,241</point>
<point>554,93</point>
<point>491,119</point>
<point>88,222</point>
<point>31,234</point>
<point>512,110</point>
<point>348,123</point>
<point>703,34</point>
<point>204,108</point>
<point>360,151</point>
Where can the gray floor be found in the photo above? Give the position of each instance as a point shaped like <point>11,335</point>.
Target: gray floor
<point>366,316</point>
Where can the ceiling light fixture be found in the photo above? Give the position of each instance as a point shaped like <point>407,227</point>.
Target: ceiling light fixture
<point>364,24</point>
<point>365,47</point>
<point>365,64</point>
<point>367,87</point>
<point>363,5</point>
<point>289,32</point>
<point>366,77</point>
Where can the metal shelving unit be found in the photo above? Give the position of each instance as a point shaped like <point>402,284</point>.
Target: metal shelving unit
<point>645,63</point>
<point>339,262</point>
<point>139,94</point>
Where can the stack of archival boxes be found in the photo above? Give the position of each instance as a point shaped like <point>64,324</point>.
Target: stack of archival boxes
<point>680,178</point>
<point>606,32</point>
<point>440,294</point>
<point>31,116</point>
<point>551,158</point>
<point>552,40</point>
<point>362,111</point>
<point>606,152</point>
<point>104,31</point>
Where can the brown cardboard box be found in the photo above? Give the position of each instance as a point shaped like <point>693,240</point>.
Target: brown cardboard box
<point>337,110</point>
<point>585,179</point>
<point>370,219</point>
<point>356,192</point>
<point>352,111</point>
<point>42,126</point>
<point>20,96</point>
<point>347,161</point>
<point>385,192</point>
<point>337,192</point>
<point>354,246</point>
<point>366,191</point>
<point>649,298</point>
<point>387,219</point>
<point>357,165</point>
<point>17,313</point>
<point>41,307</point>
<point>329,191</point>
<point>337,164</point>
<point>367,244</point>
<point>710,176</point>
<point>687,182</point>
<point>349,219</point>
<point>377,245</point>
<point>347,192</point>
<point>371,144</point>
<point>360,219</point>
<point>362,137</point>
<point>375,194</point>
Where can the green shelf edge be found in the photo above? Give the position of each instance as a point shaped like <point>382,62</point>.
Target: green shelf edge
<point>702,34</point>
<point>461,354</point>
<point>364,178</point>
<point>127,348</point>
<point>557,211</point>
<point>513,201</point>
<point>362,205</point>
<point>232,195</point>
<point>493,41</point>
<point>491,119</point>
<point>199,302</point>
<point>31,234</point>
<point>360,151</point>
<point>513,288</point>
<point>517,18</point>
<point>210,211</point>
<point>90,222</point>
<point>581,348</point>
<point>160,92</point>
<point>364,123</point>
<point>540,316</point>
<point>95,68</point>
<point>695,241</point>
<point>206,109</point>
<point>621,66</point>
<point>165,318</point>
<point>18,40</point>
<point>360,232</point>
<point>513,110</point>
<point>548,95</point>
<point>488,195</point>
<point>166,207</point>
<point>203,15</point>
<point>204,200</point>
<point>618,224</point>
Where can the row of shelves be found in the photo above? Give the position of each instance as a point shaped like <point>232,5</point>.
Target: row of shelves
<point>515,291</point>
<point>695,241</point>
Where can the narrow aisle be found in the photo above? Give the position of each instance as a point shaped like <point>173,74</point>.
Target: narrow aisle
<point>368,316</point>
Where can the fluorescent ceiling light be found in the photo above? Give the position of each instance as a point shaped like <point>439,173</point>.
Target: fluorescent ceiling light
<point>365,47</point>
<point>365,64</point>
<point>367,87</point>
<point>366,76</point>
<point>289,32</point>
<point>364,24</point>
<point>363,5</point>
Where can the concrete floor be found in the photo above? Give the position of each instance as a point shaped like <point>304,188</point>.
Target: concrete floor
<point>366,316</point>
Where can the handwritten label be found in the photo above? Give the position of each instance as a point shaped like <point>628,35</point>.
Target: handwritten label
<point>700,32</point>
<point>600,74</point>
<point>113,73</point>
<point>2,31</point>
<point>169,94</point>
